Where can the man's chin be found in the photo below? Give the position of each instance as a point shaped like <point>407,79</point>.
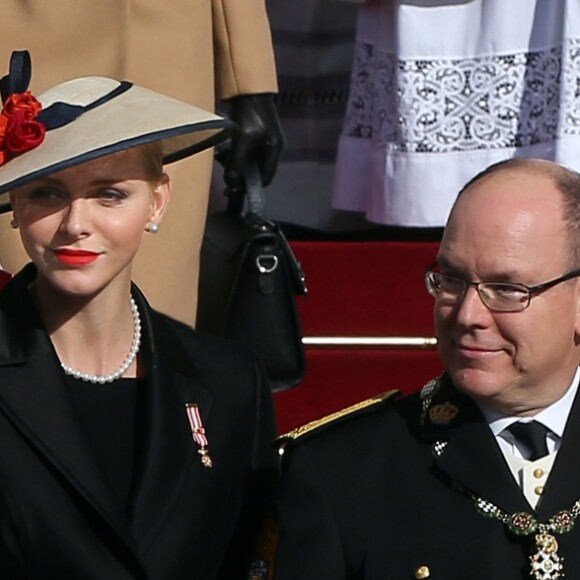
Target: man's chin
<point>476,383</point>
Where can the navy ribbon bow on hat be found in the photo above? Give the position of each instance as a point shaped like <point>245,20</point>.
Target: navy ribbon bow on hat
<point>58,114</point>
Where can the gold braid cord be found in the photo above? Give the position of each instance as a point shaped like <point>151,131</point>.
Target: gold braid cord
<point>318,423</point>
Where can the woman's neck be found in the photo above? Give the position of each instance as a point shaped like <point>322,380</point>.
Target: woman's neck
<point>90,334</point>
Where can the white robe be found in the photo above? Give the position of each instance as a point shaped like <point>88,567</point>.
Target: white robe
<point>442,89</point>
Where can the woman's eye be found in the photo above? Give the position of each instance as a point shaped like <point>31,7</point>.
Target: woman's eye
<point>44,194</point>
<point>111,196</point>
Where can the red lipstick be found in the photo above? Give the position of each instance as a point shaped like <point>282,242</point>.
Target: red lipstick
<point>75,257</point>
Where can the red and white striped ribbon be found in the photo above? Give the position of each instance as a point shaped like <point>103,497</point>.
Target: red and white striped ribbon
<point>198,432</point>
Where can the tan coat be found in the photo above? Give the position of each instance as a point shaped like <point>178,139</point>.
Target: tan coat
<point>189,49</point>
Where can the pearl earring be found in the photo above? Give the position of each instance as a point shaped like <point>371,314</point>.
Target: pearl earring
<point>153,228</point>
<point>14,223</point>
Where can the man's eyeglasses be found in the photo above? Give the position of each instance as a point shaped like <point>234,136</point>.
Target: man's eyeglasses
<point>497,296</point>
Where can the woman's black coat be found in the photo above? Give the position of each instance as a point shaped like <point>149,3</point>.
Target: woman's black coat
<point>58,519</point>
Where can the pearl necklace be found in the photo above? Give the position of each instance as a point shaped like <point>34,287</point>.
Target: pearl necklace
<point>129,359</point>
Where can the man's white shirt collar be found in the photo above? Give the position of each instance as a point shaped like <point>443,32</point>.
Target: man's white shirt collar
<point>553,417</point>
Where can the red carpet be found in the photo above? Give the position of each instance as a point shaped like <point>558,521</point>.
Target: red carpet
<point>360,289</point>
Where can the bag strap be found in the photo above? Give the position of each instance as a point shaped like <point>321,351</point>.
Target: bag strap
<point>255,218</point>
<point>255,191</point>
<point>254,195</point>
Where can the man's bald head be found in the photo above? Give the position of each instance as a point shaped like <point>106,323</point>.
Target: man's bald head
<point>566,181</point>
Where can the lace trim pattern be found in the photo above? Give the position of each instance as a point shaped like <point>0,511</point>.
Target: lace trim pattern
<point>444,105</point>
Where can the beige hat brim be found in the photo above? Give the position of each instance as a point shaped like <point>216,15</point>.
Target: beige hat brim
<point>135,117</point>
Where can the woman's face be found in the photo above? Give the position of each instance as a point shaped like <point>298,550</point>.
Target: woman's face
<point>82,226</point>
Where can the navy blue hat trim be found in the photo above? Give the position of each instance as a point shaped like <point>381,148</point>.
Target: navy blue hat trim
<point>228,129</point>
<point>224,128</point>
<point>60,114</point>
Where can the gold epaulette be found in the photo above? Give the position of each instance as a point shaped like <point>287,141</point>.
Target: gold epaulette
<point>300,432</point>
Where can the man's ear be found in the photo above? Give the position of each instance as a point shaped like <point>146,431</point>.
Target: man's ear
<point>577,322</point>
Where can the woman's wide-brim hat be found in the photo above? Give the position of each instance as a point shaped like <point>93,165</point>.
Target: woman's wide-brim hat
<point>87,118</point>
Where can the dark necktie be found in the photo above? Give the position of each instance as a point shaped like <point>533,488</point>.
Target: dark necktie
<point>531,437</point>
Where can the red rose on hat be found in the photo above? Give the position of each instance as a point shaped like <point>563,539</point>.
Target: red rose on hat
<point>19,131</point>
<point>22,134</point>
<point>22,102</point>
<point>3,125</point>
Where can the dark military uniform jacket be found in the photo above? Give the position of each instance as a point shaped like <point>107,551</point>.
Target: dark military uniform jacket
<point>58,517</point>
<point>392,490</point>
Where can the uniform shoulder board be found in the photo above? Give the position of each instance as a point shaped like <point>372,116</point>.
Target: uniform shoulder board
<point>318,424</point>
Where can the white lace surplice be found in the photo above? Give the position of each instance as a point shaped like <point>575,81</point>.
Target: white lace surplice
<point>440,90</point>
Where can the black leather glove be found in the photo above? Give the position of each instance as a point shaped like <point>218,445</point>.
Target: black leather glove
<point>259,140</point>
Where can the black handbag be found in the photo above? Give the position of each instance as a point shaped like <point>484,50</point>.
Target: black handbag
<point>248,282</point>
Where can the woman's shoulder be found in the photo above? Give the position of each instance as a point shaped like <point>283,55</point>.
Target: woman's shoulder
<point>231,370</point>
<point>171,333</point>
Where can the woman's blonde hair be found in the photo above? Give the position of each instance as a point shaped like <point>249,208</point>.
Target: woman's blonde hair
<point>153,161</point>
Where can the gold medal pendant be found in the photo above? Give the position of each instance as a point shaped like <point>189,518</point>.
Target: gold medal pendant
<point>546,564</point>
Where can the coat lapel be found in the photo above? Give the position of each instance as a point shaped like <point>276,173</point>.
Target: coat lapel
<point>35,400</point>
<point>33,396</point>
<point>474,460</point>
<point>563,486</point>
<point>471,458</point>
<point>168,450</point>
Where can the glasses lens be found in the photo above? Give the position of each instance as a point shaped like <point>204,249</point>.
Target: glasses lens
<point>433,283</point>
<point>444,287</point>
<point>504,297</point>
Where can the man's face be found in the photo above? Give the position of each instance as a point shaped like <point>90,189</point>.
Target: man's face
<point>508,227</point>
